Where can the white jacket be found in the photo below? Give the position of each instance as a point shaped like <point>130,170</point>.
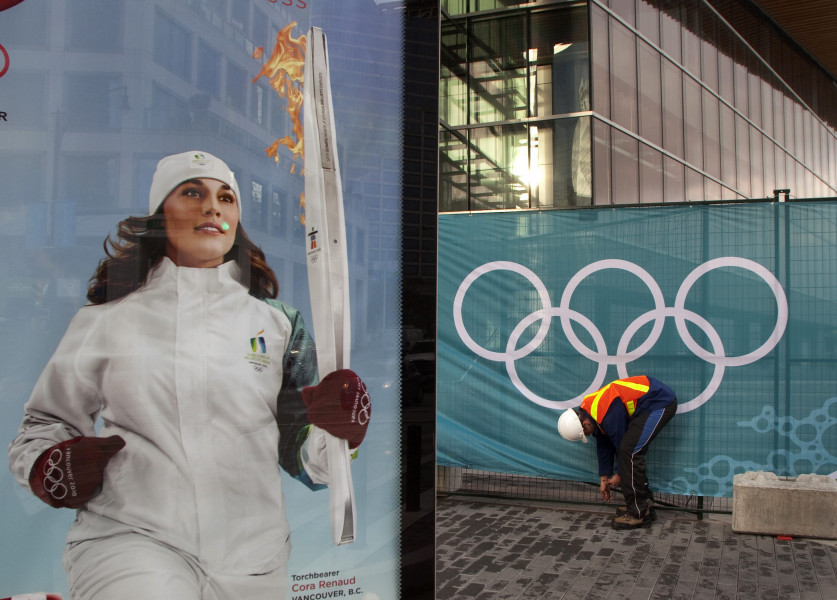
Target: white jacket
<point>187,370</point>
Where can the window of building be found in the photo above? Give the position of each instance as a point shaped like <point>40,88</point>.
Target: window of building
<point>93,101</point>
<point>209,69</point>
<point>497,72</point>
<point>236,88</point>
<point>168,111</point>
<point>258,206</point>
<point>22,174</point>
<point>95,25</point>
<point>172,46</point>
<point>89,181</point>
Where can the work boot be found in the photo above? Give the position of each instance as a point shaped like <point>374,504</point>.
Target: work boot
<point>628,521</point>
<point>652,514</point>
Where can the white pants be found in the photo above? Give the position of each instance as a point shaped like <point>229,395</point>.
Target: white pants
<point>132,566</point>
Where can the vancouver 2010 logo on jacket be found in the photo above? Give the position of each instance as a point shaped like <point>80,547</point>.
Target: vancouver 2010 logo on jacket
<point>258,356</point>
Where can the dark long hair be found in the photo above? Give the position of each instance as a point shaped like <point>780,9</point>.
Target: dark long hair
<point>141,245</point>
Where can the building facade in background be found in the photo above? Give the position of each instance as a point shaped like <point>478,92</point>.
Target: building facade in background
<point>612,102</point>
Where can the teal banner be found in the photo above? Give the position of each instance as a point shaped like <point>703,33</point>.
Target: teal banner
<point>733,306</point>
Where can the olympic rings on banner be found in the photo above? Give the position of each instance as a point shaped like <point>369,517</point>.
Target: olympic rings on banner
<point>623,356</point>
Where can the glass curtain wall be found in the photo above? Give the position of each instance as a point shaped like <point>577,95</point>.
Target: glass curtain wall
<point>515,107</point>
<point>613,102</point>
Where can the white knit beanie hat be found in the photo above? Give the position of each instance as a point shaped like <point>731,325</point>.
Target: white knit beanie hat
<point>177,168</point>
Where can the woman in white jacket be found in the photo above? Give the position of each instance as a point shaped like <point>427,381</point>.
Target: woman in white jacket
<point>203,384</point>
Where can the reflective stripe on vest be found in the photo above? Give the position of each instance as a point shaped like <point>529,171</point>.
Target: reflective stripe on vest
<point>596,409</point>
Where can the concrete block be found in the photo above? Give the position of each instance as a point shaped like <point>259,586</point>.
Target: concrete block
<point>448,479</point>
<point>804,506</point>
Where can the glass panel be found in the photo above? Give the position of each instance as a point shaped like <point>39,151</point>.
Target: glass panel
<point>711,135</point>
<point>209,69</point>
<point>601,62</point>
<point>670,29</point>
<point>742,153</point>
<point>807,136</point>
<point>95,25</point>
<point>778,117</point>
<point>623,76</point>
<point>650,174</point>
<point>499,70</point>
<point>675,184</point>
<point>455,7</point>
<point>559,60</point>
<point>726,78</point>
<point>779,162</point>
<point>648,20</point>
<point>709,27</point>
<point>672,108</point>
<point>799,131</point>
<point>27,168</point>
<point>756,163</point>
<point>691,41</point>
<point>453,90</point>
<point>790,175</point>
<point>728,160</point>
<point>499,167</point>
<point>790,136</point>
<point>739,73</point>
<point>625,9</point>
<point>767,108</point>
<point>769,170</point>
<point>650,89</point>
<point>560,151</point>
<point>258,104</point>
<point>172,46</point>
<point>89,181</point>
<point>625,168</point>
<point>694,122</point>
<point>755,98</point>
<point>453,171</point>
<point>601,158</point>
<point>236,88</point>
<point>712,189</point>
<point>94,101</point>
<point>816,148</point>
<point>694,186</point>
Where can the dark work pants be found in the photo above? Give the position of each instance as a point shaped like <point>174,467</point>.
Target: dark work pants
<point>642,428</point>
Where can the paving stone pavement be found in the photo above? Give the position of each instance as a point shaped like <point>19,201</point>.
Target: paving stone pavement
<point>489,549</point>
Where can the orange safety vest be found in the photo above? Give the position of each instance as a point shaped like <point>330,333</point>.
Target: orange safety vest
<point>628,390</point>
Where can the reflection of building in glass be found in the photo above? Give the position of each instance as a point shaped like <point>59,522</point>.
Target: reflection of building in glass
<point>556,104</point>
<point>104,88</point>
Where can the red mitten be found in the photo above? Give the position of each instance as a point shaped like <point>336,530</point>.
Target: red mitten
<point>340,404</point>
<point>70,474</point>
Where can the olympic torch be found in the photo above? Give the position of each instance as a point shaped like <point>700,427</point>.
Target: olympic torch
<point>328,267</point>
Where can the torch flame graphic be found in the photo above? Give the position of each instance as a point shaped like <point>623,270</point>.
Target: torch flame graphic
<point>284,71</point>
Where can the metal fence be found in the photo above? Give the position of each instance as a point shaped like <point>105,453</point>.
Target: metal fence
<point>470,482</point>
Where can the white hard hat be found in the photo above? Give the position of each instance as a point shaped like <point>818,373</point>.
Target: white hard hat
<point>569,426</point>
<point>177,168</point>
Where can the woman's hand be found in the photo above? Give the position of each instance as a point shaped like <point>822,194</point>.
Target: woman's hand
<point>69,474</point>
<point>340,404</point>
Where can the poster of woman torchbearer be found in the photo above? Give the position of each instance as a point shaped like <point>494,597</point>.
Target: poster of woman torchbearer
<point>200,298</point>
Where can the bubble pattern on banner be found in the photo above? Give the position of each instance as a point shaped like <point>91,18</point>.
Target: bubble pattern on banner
<point>715,478</point>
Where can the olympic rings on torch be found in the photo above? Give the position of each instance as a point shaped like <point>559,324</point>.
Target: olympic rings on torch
<point>623,356</point>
